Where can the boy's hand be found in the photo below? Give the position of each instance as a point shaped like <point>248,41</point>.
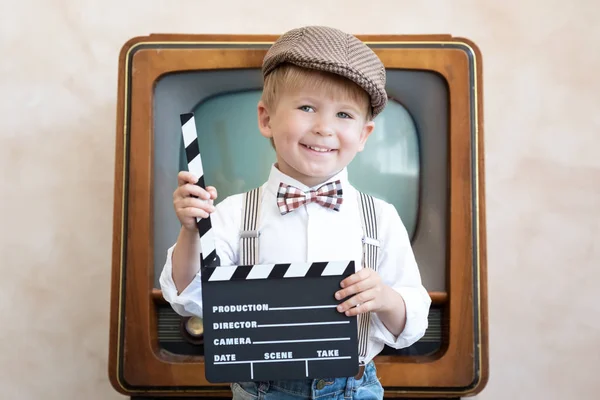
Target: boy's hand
<point>367,290</point>
<point>187,207</point>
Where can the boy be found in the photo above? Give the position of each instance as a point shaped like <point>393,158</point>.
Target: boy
<point>322,90</point>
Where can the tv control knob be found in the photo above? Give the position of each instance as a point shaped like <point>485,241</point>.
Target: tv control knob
<point>194,327</point>
<point>193,330</point>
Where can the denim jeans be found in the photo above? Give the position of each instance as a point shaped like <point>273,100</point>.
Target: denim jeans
<point>367,388</point>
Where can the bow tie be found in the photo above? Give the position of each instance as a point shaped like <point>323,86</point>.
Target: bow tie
<point>290,198</point>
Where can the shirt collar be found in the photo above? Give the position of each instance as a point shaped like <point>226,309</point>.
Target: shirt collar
<point>276,177</point>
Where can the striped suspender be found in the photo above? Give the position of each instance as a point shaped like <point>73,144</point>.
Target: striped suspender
<point>249,234</point>
<point>370,254</point>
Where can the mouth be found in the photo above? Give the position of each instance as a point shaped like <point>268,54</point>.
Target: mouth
<point>318,149</point>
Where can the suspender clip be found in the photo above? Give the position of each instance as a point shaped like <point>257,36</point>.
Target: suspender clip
<point>371,241</point>
<point>249,234</point>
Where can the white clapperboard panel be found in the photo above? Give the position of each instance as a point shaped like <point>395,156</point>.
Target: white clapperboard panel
<point>268,322</point>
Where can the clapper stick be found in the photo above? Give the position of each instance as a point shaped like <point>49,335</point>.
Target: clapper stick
<point>208,256</point>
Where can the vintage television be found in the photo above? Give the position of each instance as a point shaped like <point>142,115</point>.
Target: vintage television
<point>428,143</point>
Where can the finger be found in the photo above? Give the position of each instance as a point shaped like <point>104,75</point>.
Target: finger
<point>357,299</point>
<point>197,191</point>
<point>361,309</point>
<point>191,202</point>
<point>193,212</point>
<point>184,177</point>
<point>213,192</point>
<point>355,277</point>
<point>189,189</point>
<point>357,287</point>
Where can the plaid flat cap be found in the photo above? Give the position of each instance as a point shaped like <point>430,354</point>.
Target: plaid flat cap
<point>331,50</point>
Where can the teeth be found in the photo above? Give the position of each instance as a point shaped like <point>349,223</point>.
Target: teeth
<point>319,149</point>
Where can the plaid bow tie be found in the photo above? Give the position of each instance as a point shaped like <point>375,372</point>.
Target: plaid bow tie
<point>289,197</point>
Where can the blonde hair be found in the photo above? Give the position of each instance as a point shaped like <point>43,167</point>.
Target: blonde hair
<point>291,77</point>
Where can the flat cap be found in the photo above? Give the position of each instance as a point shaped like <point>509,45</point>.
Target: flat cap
<point>331,50</point>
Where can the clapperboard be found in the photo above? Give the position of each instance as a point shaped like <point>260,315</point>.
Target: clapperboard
<point>268,322</point>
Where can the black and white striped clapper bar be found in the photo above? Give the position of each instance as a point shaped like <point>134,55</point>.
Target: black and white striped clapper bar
<point>209,256</point>
<point>270,322</point>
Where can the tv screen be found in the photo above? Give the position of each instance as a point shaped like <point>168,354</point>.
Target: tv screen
<point>237,158</point>
<point>404,163</point>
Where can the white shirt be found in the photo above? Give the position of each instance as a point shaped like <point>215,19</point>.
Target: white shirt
<point>313,233</point>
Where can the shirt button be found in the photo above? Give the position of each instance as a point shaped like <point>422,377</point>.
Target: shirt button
<point>320,384</point>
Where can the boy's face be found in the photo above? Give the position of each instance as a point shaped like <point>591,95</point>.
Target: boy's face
<point>316,134</point>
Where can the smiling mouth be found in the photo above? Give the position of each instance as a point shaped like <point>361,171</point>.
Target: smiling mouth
<point>318,149</point>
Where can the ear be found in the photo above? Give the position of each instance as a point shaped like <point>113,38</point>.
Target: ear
<point>364,135</point>
<point>264,120</point>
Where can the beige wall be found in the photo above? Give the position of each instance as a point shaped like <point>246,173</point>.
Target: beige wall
<point>58,75</point>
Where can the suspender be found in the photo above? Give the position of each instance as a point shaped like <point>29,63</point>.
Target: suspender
<point>249,237</point>
<point>249,234</point>
<point>370,255</point>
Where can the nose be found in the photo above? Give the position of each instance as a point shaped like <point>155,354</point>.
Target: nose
<point>324,126</point>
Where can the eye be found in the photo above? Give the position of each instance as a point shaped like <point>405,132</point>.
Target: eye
<point>306,108</point>
<point>344,115</point>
